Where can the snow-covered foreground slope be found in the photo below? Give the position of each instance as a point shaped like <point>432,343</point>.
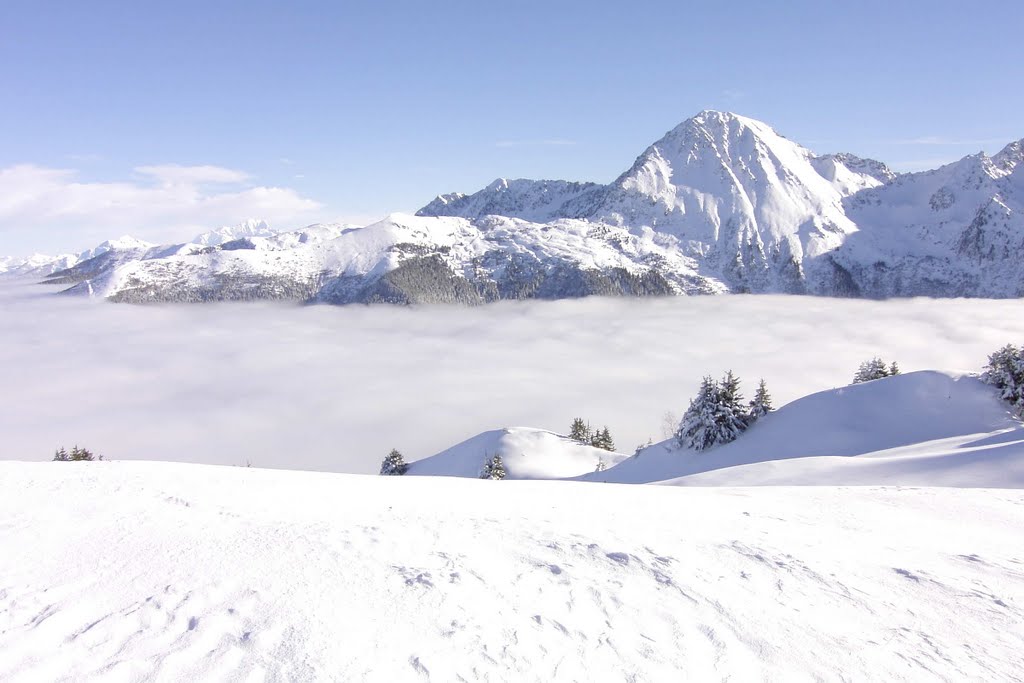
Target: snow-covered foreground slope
<point>134,571</point>
<point>920,429</point>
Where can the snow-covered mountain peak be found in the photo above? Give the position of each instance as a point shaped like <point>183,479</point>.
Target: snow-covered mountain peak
<point>715,122</point>
<point>123,242</point>
<point>533,200</point>
<point>720,203</point>
<point>866,167</point>
<point>249,228</point>
<point>737,191</point>
<point>723,134</point>
<point>1009,158</point>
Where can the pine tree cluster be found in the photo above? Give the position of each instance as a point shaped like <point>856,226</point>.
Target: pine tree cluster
<point>494,468</point>
<point>394,464</point>
<point>581,432</point>
<point>1005,371</point>
<point>76,454</point>
<point>718,415</point>
<point>876,368</point>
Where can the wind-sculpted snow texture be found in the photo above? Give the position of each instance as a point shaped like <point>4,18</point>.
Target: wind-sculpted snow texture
<point>159,571</point>
<point>721,203</point>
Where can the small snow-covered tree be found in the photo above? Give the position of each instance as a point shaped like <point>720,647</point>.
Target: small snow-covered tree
<point>697,428</point>
<point>600,465</point>
<point>606,436</point>
<point>715,416</point>
<point>1005,371</point>
<point>602,438</point>
<point>729,392</point>
<point>494,468</point>
<point>82,454</point>
<point>875,368</point>
<point>669,424</point>
<point>77,454</point>
<point>734,411</point>
<point>641,447</point>
<point>761,404</point>
<point>580,431</point>
<point>394,464</point>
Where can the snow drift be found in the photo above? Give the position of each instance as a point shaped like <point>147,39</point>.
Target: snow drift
<point>526,453</point>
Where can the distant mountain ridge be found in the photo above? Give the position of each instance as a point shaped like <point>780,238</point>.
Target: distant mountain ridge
<point>721,203</point>
<point>763,214</point>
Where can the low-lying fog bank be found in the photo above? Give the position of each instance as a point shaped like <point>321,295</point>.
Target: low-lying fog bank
<point>335,388</point>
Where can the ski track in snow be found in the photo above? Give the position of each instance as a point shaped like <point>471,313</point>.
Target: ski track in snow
<point>137,571</point>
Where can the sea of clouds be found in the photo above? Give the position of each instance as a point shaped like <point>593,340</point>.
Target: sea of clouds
<point>334,388</point>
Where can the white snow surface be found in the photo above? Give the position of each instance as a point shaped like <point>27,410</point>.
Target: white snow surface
<point>118,571</point>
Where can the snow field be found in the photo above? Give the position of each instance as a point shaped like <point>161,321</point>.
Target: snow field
<point>131,571</point>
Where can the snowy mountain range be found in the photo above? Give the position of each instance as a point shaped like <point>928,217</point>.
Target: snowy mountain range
<point>722,203</point>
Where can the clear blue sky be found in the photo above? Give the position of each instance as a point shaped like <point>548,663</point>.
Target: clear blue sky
<point>354,109</point>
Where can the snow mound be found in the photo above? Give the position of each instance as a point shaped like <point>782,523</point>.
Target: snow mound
<point>922,428</point>
<point>526,453</point>
<point>137,571</point>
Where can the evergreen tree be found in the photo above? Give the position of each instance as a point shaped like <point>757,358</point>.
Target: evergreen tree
<point>731,413</point>
<point>1005,371</point>
<point>580,431</point>
<point>81,454</point>
<point>715,416</point>
<point>875,368</point>
<point>734,412</point>
<point>494,468</point>
<point>761,404</point>
<point>729,392</point>
<point>61,455</point>
<point>602,438</point>
<point>697,427</point>
<point>600,465</point>
<point>606,440</point>
<point>394,464</point>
